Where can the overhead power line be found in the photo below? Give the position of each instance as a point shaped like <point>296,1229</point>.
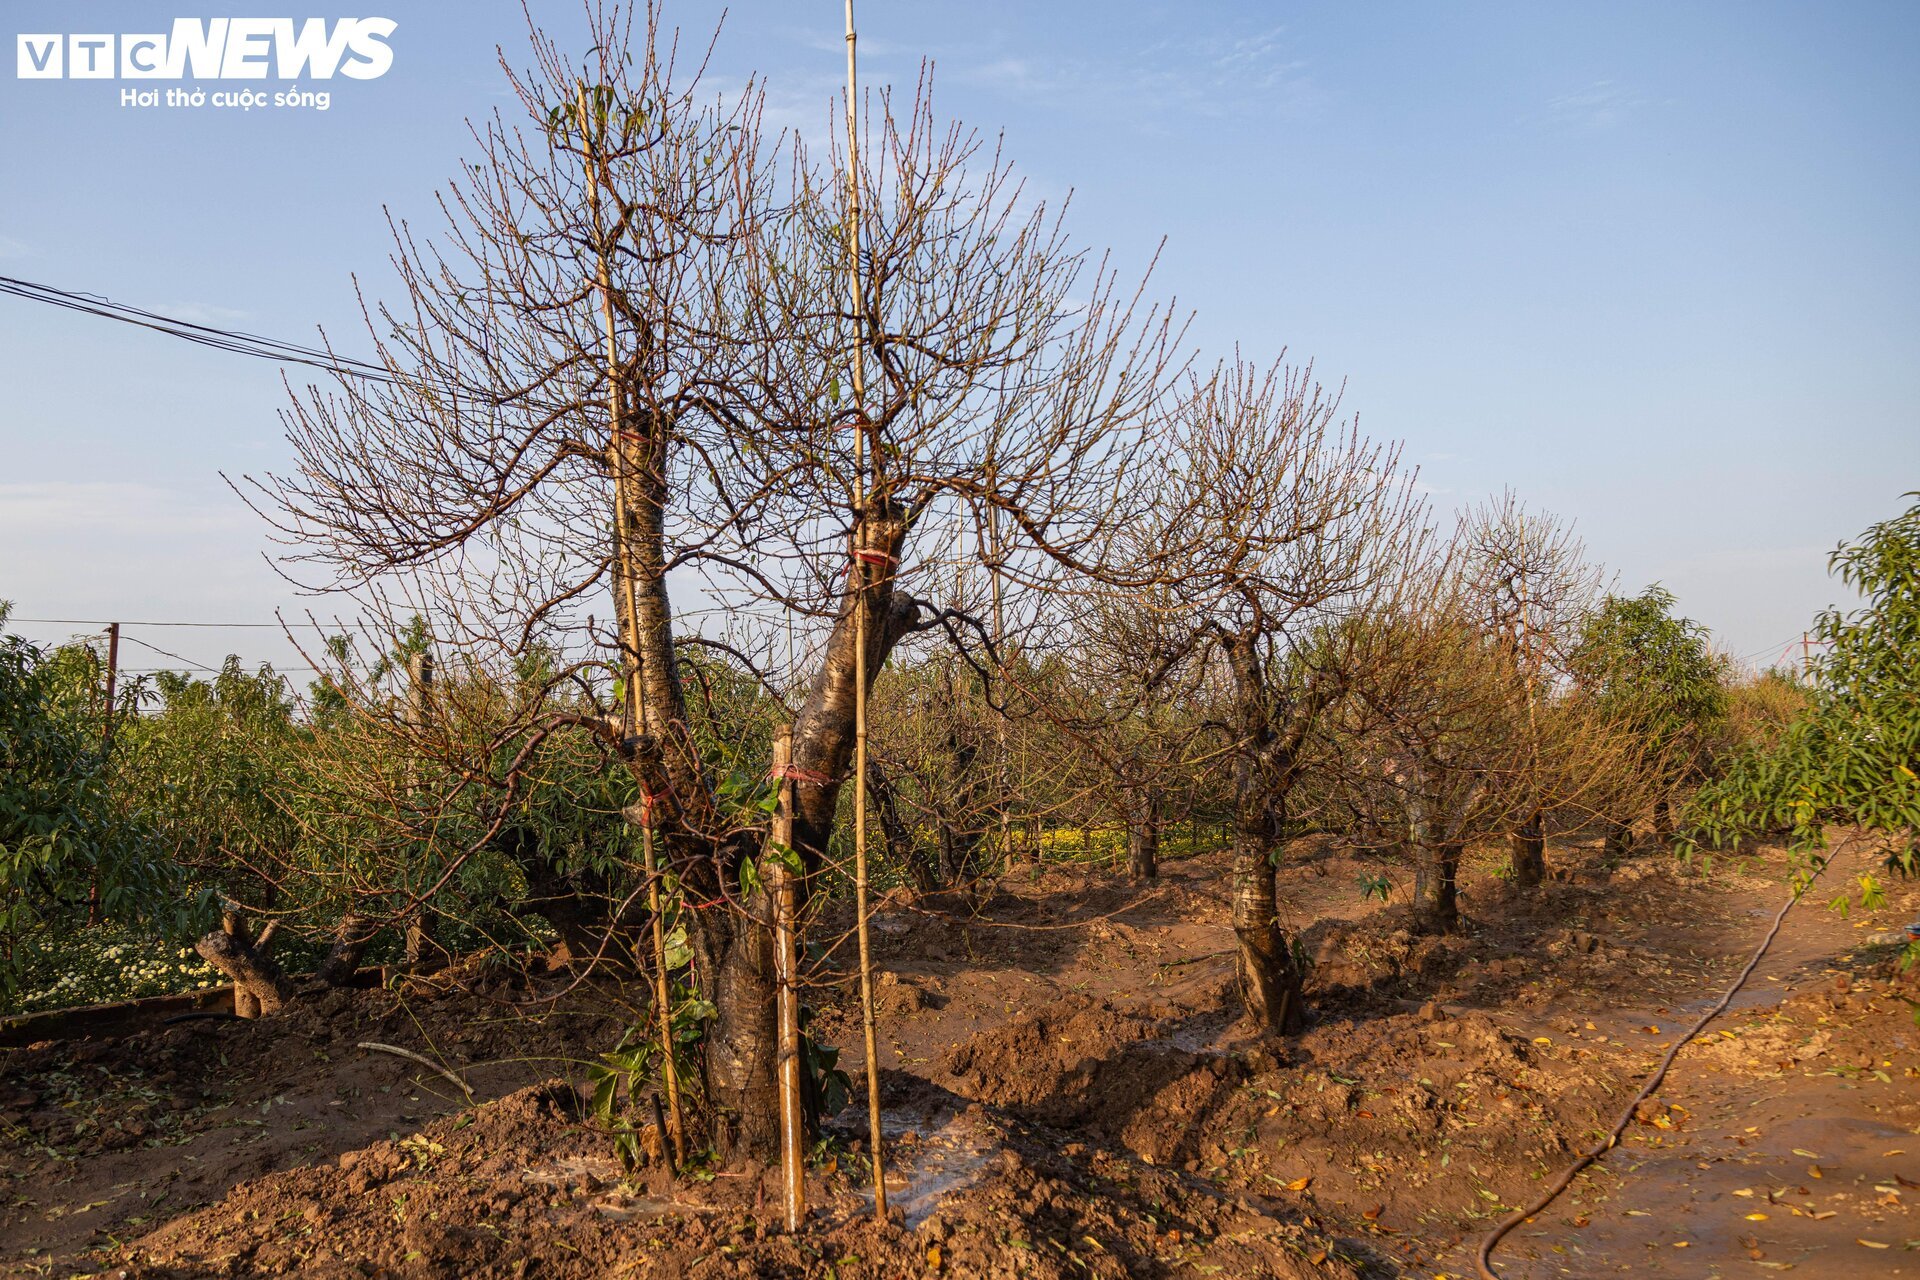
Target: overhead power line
<point>168,653</point>
<point>237,341</point>
<point>104,622</point>
<point>260,347</point>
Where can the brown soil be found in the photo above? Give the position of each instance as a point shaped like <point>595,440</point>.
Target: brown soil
<point>1069,1094</point>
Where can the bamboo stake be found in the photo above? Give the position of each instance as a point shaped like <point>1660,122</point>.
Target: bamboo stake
<point>630,637</point>
<point>859,571</point>
<point>787,999</point>
<point>420,928</point>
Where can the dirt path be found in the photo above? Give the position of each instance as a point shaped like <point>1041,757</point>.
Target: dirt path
<point>1795,1120</point>
<point>1546,1017</point>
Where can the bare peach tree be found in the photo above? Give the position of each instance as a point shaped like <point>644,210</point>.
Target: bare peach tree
<point>1444,735</point>
<point>621,375</point>
<point>1287,522</point>
<point>1125,704</point>
<point>1535,587</point>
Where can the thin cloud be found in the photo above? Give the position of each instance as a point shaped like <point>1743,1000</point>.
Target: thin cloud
<point>1201,75</point>
<point>1604,104</point>
<point>51,509</point>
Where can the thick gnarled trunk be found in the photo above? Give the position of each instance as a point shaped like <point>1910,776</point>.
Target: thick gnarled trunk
<point>1528,848</point>
<point>741,1066</point>
<point>823,731</point>
<point>1143,836</point>
<point>259,987</point>
<point>350,942</point>
<point>1436,871</point>
<point>1269,977</point>
<point>741,1059</point>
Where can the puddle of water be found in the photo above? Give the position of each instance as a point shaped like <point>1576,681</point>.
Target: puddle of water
<point>612,1201</point>
<point>574,1170</point>
<point>1207,1037</point>
<point>930,1156</point>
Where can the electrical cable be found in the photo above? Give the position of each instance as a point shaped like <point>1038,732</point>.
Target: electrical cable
<point>101,622</point>
<point>239,342</point>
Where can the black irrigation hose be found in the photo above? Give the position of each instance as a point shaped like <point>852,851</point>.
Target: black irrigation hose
<point>198,1016</point>
<point>1484,1259</point>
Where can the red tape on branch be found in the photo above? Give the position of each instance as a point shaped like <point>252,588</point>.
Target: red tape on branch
<point>867,556</point>
<point>646,808</point>
<point>795,773</point>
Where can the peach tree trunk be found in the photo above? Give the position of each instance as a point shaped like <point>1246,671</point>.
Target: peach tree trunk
<point>1529,854</point>
<point>1143,837</point>
<point>742,1045</point>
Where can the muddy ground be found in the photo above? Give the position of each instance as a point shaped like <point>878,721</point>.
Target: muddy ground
<point>1068,1095</point>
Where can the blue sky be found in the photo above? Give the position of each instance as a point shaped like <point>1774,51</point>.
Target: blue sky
<point>1654,266</point>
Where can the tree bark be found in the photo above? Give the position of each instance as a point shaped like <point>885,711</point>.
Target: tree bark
<point>254,975</point>
<point>823,728</point>
<point>1270,980</point>
<point>1529,850</point>
<point>741,1060</point>
<point>741,1063</point>
<point>350,942</point>
<point>424,954</point>
<point>1143,837</point>
<point>1436,890</point>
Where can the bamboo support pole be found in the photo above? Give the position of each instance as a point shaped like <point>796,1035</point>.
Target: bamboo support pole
<point>793,1136</point>
<point>629,625</point>
<point>858,568</point>
<point>423,952</point>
